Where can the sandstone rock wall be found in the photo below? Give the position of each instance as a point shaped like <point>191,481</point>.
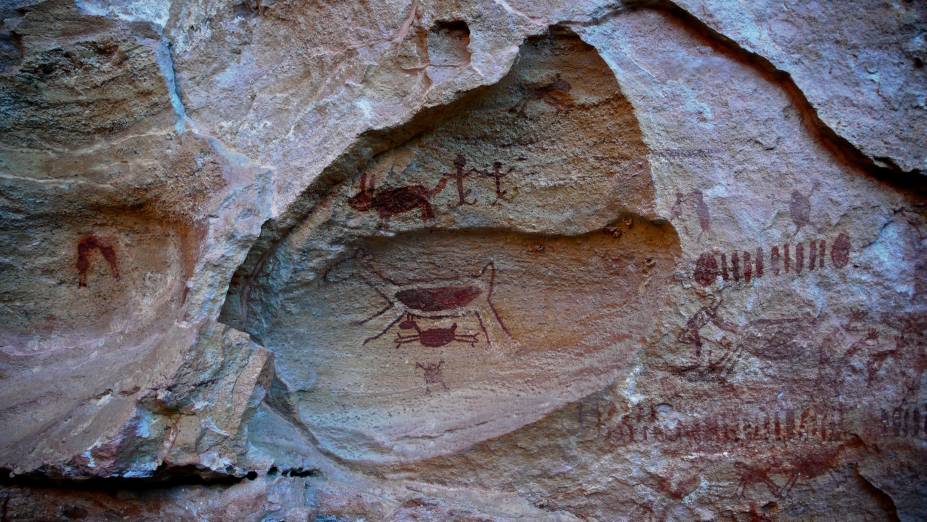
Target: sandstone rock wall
<point>463,260</point>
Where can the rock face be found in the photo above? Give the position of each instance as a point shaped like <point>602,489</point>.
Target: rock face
<point>463,261</point>
<point>433,275</point>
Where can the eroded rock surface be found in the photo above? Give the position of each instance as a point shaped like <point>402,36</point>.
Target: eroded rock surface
<point>431,279</point>
<point>462,261</point>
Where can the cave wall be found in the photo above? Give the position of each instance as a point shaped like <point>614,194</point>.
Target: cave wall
<point>463,260</point>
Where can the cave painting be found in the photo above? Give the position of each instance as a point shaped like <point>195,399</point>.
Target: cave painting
<point>694,199</point>
<point>767,339</point>
<point>730,427</point>
<point>459,163</point>
<point>459,174</point>
<point>800,208</point>
<point>431,337</point>
<point>805,465</point>
<point>691,334</point>
<point>745,267</point>
<point>497,176</point>
<point>478,233</point>
<point>433,374</point>
<point>85,248</point>
<point>389,202</point>
<point>431,300</point>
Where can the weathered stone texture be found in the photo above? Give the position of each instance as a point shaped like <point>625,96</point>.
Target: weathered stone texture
<point>485,260</point>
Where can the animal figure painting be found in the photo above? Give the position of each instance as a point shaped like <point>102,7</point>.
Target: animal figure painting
<point>392,201</point>
<point>435,300</point>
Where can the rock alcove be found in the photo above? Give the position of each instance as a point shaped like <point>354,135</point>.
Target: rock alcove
<point>470,260</point>
<point>414,304</point>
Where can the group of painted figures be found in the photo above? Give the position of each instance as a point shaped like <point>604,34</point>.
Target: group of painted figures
<point>388,202</point>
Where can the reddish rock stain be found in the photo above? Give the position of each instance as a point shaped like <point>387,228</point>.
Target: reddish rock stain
<point>706,269</point>
<point>759,262</point>
<point>812,254</point>
<point>84,248</point>
<point>800,209</point>
<point>431,337</point>
<point>701,210</point>
<point>748,268</point>
<point>753,265</point>
<point>437,299</point>
<point>390,202</point>
<point>840,251</point>
<point>433,374</point>
<point>799,257</point>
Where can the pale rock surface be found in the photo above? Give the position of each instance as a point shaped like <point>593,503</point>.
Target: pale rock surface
<point>486,260</point>
<point>855,62</point>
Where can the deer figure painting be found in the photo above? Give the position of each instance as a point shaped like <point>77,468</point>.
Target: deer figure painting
<point>391,201</point>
